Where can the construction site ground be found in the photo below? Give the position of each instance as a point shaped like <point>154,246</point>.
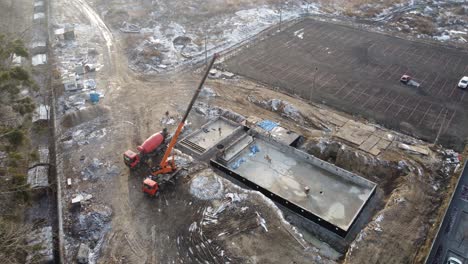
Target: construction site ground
<point>359,72</point>
<point>121,225</point>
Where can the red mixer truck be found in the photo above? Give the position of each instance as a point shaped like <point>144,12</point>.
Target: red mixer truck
<point>151,146</point>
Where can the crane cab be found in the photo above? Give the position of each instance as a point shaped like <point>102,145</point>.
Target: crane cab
<point>131,159</point>
<point>150,187</point>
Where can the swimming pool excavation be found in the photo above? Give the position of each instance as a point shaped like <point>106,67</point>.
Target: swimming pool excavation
<point>322,192</point>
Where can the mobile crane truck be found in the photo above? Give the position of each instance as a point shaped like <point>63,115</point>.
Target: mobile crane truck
<point>166,168</point>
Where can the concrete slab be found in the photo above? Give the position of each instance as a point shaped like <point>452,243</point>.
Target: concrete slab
<point>211,133</point>
<point>284,136</point>
<point>336,196</point>
<point>204,142</point>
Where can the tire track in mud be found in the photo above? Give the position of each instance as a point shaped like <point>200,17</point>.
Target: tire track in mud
<point>126,240</point>
<point>136,247</point>
<point>153,245</point>
<point>96,21</point>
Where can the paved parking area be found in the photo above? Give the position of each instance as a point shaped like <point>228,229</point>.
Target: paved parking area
<point>452,238</point>
<point>359,71</point>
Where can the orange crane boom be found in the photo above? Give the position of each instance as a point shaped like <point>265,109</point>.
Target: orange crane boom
<point>166,166</point>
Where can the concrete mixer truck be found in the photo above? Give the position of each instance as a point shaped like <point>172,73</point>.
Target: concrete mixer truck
<point>152,145</point>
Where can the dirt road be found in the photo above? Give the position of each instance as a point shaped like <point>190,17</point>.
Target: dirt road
<point>121,225</point>
<point>139,230</point>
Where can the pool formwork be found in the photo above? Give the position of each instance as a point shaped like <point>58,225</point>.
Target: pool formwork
<point>322,192</point>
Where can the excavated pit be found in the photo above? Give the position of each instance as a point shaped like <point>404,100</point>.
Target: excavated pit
<point>317,190</point>
<point>203,141</point>
<point>313,188</point>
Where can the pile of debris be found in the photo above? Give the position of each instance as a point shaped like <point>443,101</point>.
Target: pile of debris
<point>288,111</point>
<point>89,225</point>
<point>76,67</point>
<point>213,112</point>
<point>169,43</point>
<point>129,28</point>
<point>442,21</point>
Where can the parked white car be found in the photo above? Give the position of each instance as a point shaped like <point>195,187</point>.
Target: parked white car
<point>463,83</point>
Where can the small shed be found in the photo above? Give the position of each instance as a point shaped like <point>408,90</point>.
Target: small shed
<point>65,33</point>
<point>41,114</point>
<point>71,85</point>
<point>38,177</point>
<point>17,60</point>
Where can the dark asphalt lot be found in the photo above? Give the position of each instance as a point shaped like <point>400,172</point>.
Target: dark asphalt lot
<point>452,239</point>
<point>358,72</point>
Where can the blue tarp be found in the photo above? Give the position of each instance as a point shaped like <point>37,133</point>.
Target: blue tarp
<point>254,149</point>
<point>267,125</point>
<point>237,164</point>
<point>94,97</point>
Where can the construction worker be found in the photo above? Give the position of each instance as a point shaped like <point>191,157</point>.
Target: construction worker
<point>149,162</point>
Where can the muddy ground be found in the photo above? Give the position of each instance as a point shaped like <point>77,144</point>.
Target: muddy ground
<point>121,225</point>
<point>178,33</point>
<point>118,219</point>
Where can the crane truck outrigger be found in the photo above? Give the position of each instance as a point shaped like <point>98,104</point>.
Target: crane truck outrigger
<point>166,166</point>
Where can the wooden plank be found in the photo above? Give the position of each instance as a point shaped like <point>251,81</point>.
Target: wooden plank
<point>380,146</point>
<point>369,143</point>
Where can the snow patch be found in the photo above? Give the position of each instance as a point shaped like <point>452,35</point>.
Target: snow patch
<point>206,187</point>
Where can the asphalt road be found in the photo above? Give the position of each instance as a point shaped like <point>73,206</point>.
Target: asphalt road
<point>452,239</point>
<point>359,71</point>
